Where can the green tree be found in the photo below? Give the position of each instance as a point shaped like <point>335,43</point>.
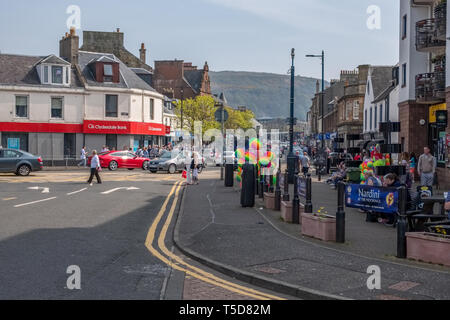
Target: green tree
<point>201,108</point>
<point>239,119</point>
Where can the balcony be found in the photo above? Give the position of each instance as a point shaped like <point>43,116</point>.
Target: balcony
<point>440,15</point>
<point>426,36</point>
<point>430,88</point>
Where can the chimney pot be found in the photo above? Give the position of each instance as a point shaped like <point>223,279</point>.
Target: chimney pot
<point>118,30</point>
<point>72,31</point>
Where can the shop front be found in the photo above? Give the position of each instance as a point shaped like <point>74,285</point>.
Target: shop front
<point>437,136</point>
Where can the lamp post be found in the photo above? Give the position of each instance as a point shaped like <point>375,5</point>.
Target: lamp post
<point>322,56</point>
<point>291,158</point>
<point>222,121</point>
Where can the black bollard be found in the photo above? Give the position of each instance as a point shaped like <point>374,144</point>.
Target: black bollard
<point>271,183</point>
<point>261,186</point>
<point>286,187</point>
<point>296,202</point>
<point>340,214</point>
<point>278,191</point>
<point>308,200</point>
<point>401,223</point>
<point>229,175</point>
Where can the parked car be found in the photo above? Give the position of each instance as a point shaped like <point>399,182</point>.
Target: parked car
<point>19,162</point>
<point>114,160</point>
<point>172,162</point>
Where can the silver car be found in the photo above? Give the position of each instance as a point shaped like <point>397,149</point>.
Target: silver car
<point>172,161</point>
<point>19,162</point>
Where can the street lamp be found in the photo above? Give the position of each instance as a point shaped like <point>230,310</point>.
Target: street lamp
<point>322,56</point>
<point>291,158</point>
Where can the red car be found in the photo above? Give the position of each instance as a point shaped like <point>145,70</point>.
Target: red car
<point>121,159</point>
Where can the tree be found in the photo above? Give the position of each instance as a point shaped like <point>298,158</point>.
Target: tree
<point>201,108</point>
<point>239,119</point>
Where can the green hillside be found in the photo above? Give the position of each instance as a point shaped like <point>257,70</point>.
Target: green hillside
<point>266,94</point>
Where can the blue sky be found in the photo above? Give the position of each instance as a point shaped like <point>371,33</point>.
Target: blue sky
<point>240,35</point>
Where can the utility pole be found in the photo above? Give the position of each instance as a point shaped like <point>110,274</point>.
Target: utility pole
<point>291,158</point>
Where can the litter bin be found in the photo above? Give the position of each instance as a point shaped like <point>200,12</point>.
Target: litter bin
<point>229,175</point>
<point>248,186</point>
<point>354,175</point>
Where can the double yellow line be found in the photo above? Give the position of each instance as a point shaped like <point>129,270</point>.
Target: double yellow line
<point>177,263</point>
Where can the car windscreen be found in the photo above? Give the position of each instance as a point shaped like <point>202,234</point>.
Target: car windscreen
<point>166,155</point>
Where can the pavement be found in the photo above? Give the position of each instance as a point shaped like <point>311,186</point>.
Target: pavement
<point>255,246</point>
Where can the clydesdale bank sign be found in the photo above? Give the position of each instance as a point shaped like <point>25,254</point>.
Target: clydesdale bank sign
<point>378,199</point>
<point>125,127</point>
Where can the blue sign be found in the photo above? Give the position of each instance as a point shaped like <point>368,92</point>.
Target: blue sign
<point>327,136</point>
<point>378,199</point>
<point>14,143</point>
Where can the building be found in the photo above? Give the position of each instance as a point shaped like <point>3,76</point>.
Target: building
<point>52,106</point>
<point>380,103</point>
<point>181,80</point>
<point>425,80</point>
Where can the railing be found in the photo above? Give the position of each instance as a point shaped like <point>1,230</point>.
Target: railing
<point>430,87</point>
<point>426,36</point>
<point>440,15</point>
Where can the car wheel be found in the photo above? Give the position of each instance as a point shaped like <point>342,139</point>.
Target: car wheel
<point>112,166</point>
<point>145,165</point>
<point>172,169</point>
<point>130,169</point>
<point>153,171</point>
<point>24,170</point>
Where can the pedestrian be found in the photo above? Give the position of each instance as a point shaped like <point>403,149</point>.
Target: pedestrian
<point>426,167</point>
<point>447,204</point>
<point>305,162</point>
<point>83,157</point>
<point>412,165</point>
<point>145,153</point>
<point>95,168</point>
<point>194,167</point>
<point>104,149</point>
<point>391,180</point>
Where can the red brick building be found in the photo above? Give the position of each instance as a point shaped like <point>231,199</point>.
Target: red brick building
<point>181,80</point>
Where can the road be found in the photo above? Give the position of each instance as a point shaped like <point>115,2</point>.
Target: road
<point>115,235</point>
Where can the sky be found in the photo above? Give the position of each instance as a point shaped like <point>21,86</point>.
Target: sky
<point>238,35</point>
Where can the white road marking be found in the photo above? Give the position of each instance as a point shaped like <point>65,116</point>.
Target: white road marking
<point>71,193</point>
<point>33,202</point>
<point>7,199</point>
<point>116,189</point>
<point>44,190</point>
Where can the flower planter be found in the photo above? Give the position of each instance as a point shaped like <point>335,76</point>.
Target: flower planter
<point>286,211</point>
<point>323,228</point>
<point>428,247</point>
<point>269,200</point>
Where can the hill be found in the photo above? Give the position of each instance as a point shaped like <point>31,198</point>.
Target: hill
<point>266,94</point>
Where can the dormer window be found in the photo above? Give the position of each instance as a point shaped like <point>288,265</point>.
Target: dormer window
<point>107,73</point>
<point>54,70</point>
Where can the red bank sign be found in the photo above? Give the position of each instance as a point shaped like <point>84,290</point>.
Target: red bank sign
<point>123,127</point>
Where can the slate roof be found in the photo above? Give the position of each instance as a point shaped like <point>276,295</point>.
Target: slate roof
<point>194,78</point>
<point>128,78</point>
<point>384,94</point>
<point>381,79</point>
<point>21,70</point>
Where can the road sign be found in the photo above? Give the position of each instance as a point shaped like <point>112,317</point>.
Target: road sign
<point>218,115</point>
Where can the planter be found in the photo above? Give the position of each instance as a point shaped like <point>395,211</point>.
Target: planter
<point>428,247</point>
<point>286,211</point>
<point>323,228</point>
<point>269,200</point>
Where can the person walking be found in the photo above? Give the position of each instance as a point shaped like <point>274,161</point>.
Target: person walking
<point>305,162</point>
<point>95,167</point>
<point>412,165</point>
<point>426,167</point>
<point>194,167</point>
<point>83,157</point>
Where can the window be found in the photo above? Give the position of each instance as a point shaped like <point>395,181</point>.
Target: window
<point>375,124</point>
<point>45,74</point>
<point>368,87</point>
<point>70,145</point>
<point>404,75</point>
<point>152,109</point>
<point>21,106</point>
<point>107,73</point>
<point>356,110</point>
<point>11,154</point>
<point>404,26</point>
<point>365,119</point>
<point>111,141</point>
<point>67,75</point>
<point>57,74</point>
<point>57,107</point>
<point>381,112</point>
<point>370,121</point>
<point>111,105</point>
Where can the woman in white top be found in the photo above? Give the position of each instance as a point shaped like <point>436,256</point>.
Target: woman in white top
<point>95,167</point>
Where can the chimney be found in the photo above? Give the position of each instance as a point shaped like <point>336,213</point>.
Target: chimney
<point>317,86</point>
<point>206,67</point>
<point>68,47</point>
<point>142,52</point>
